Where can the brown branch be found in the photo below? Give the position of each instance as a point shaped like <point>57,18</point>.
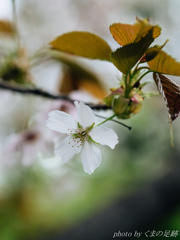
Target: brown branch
<point>42,93</point>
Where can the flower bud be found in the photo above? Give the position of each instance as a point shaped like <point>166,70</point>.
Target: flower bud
<point>124,107</point>
<point>136,103</point>
<point>120,104</point>
<point>114,92</point>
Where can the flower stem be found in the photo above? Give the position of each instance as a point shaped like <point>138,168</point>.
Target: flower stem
<point>107,119</point>
<point>15,22</point>
<point>144,75</point>
<point>115,121</point>
<point>140,68</point>
<point>126,86</point>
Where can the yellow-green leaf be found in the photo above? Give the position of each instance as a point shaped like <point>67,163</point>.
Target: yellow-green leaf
<point>163,63</point>
<point>145,29</point>
<point>126,57</point>
<point>152,52</point>
<point>125,33</point>
<point>83,44</point>
<point>77,77</point>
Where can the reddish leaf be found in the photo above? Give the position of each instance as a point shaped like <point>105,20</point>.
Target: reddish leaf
<point>170,92</point>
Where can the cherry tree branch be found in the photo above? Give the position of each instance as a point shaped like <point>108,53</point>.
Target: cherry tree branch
<point>44,94</point>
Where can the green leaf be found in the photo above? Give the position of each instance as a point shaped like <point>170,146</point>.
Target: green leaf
<point>126,57</point>
<point>125,33</point>
<point>83,44</point>
<point>163,63</point>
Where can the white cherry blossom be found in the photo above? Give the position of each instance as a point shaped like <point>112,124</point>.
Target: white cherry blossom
<point>81,136</point>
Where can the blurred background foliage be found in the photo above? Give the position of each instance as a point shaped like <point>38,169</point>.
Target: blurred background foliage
<point>38,193</point>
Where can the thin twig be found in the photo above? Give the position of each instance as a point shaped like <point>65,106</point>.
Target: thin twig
<point>42,93</point>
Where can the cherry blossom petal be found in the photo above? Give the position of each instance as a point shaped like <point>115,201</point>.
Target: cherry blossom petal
<point>85,115</point>
<point>29,153</point>
<point>68,148</point>
<point>104,136</point>
<point>90,156</point>
<point>61,121</point>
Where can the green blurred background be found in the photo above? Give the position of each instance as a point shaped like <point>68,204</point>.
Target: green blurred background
<point>49,196</point>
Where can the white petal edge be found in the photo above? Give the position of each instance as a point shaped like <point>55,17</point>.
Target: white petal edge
<point>60,121</point>
<point>104,136</point>
<point>67,149</point>
<point>90,157</point>
<point>85,115</point>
